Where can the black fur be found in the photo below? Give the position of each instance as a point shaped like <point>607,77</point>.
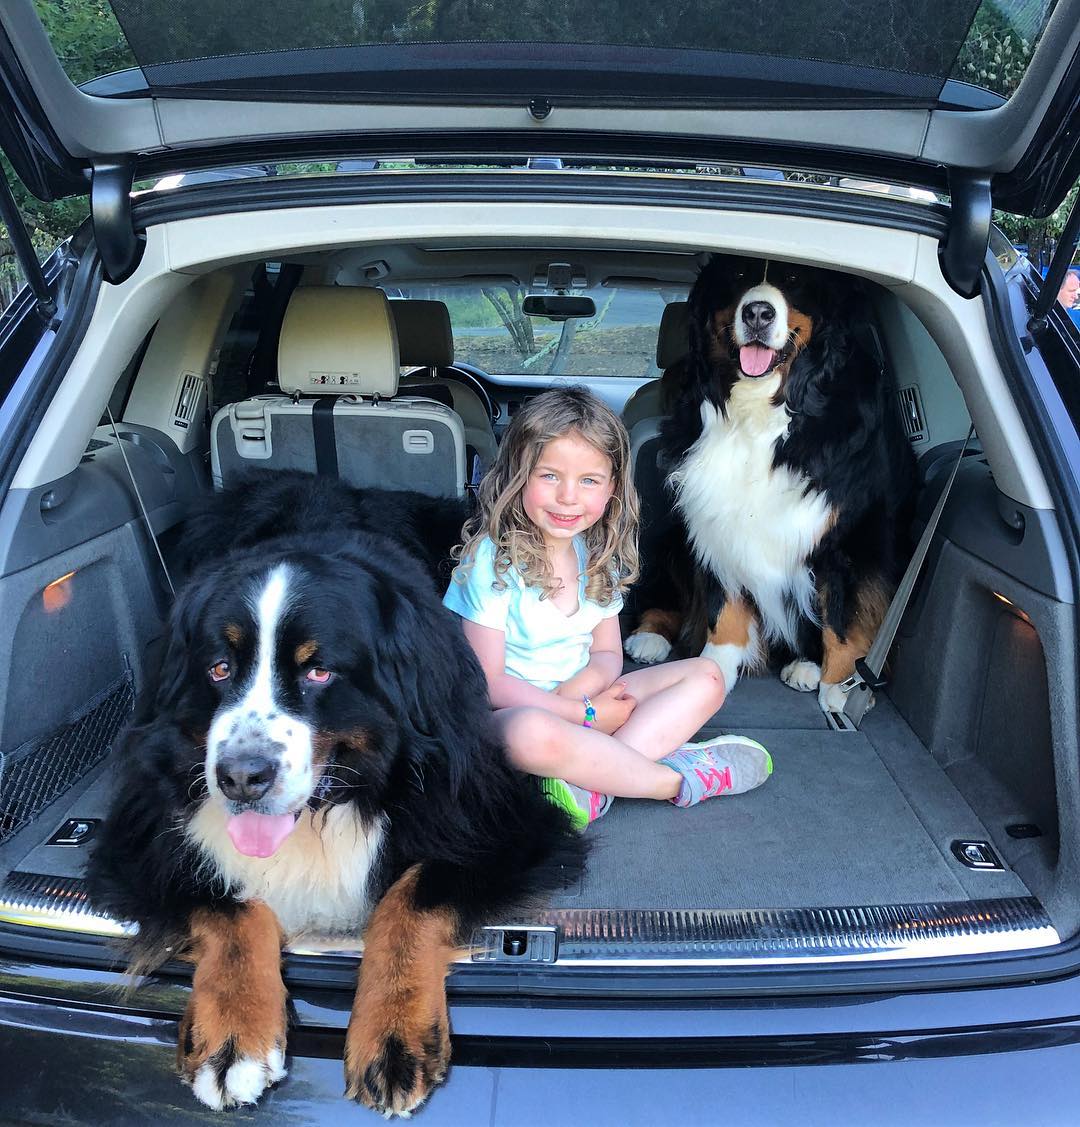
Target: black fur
<point>844,437</point>
<point>405,677</point>
<point>274,503</point>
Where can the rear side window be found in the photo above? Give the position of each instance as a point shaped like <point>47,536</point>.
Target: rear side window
<point>492,333</point>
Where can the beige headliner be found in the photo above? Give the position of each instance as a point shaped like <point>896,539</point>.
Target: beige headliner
<point>906,263</point>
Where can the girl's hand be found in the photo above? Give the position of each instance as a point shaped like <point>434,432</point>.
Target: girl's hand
<point>613,708</point>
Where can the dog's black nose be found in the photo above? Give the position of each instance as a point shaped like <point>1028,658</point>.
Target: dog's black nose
<point>245,776</point>
<point>758,315</point>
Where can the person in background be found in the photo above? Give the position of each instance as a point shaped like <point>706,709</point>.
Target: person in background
<point>1070,289</point>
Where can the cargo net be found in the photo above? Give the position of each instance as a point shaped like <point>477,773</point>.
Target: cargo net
<point>41,770</point>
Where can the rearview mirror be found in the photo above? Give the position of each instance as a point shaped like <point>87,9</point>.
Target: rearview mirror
<point>557,306</point>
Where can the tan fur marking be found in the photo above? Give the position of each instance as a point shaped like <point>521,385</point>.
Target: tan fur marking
<point>234,635</point>
<point>666,623</point>
<point>871,602</point>
<point>304,651</point>
<point>237,993</point>
<point>732,627</point>
<point>401,995</point>
<point>797,320</point>
<point>805,326</point>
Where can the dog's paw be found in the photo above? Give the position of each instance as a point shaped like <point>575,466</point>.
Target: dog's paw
<point>647,648</point>
<point>226,1063</point>
<point>831,698</point>
<point>228,1079</point>
<point>802,675</point>
<point>394,1069</point>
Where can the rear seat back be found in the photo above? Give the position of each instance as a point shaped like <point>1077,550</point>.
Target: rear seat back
<point>426,343</point>
<point>339,412</point>
<point>646,408</point>
<point>643,414</point>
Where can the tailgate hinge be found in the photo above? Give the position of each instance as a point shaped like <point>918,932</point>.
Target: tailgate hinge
<point>25,253</point>
<point>964,250</point>
<point>119,245</point>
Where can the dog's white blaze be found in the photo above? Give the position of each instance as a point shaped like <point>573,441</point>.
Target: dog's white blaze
<point>778,331</point>
<point>751,525</point>
<point>259,717</point>
<point>316,881</point>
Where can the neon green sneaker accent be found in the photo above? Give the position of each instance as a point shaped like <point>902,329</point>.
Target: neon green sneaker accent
<point>580,805</point>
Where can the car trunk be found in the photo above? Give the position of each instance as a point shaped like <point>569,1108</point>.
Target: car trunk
<point>932,829</point>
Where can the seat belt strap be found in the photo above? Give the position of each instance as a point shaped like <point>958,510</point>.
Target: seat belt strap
<point>322,427</point>
<point>867,676</point>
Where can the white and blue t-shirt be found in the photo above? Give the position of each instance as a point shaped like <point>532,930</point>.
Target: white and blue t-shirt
<point>544,646</point>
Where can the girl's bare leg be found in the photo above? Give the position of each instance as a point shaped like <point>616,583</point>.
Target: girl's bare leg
<point>541,743</point>
<point>674,700</point>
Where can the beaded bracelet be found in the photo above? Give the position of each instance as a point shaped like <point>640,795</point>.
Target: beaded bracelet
<point>590,713</point>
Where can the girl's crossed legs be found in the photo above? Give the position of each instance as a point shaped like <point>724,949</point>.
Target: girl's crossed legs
<point>673,701</point>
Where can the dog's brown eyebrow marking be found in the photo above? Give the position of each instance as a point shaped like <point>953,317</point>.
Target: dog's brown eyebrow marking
<point>234,634</point>
<point>304,651</point>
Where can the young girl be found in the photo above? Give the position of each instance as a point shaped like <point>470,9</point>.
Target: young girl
<point>539,587</point>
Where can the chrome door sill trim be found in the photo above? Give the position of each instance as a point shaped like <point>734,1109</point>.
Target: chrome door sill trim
<point>643,938</point>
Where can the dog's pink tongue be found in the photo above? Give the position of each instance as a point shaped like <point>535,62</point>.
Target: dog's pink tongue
<point>754,359</point>
<point>259,835</point>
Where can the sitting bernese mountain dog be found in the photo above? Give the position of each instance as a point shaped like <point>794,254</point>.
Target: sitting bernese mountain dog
<point>791,482</point>
<point>317,756</point>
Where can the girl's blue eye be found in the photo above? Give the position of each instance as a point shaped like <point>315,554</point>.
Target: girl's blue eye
<point>590,481</point>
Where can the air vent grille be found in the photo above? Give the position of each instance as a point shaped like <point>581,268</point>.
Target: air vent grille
<point>911,413</point>
<point>187,399</point>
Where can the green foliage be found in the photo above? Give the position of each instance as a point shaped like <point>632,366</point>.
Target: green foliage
<point>995,55</point>
<point>85,36</point>
<point>1038,235</point>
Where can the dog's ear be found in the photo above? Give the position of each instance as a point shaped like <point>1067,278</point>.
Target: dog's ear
<point>174,672</point>
<point>833,344</point>
<point>805,389</point>
<point>429,672</point>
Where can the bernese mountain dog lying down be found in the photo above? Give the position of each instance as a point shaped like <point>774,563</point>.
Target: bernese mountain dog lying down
<point>317,756</point>
<point>791,481</point>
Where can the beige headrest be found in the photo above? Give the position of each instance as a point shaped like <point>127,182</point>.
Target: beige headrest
<point>673,339</point>
<point>425,339</point>
<point>338,340</point>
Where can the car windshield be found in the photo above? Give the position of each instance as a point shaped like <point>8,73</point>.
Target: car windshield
<point>340,48</point>
<point>493,333</point>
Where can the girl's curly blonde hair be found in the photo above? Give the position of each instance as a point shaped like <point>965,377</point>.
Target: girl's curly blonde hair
<point>611,555</point>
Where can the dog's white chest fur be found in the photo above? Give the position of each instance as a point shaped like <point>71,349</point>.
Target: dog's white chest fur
<point>751,525</point>
<point>317,881</point>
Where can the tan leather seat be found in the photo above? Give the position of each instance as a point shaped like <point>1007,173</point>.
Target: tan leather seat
<point>426,342</point>
<point>339,410</point>
<point>672,342</point>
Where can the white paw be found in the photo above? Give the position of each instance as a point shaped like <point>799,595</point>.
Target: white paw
<point>831,698</point>
<point>802,675</point>
<point>243,1082</point>
<point>647,648</point>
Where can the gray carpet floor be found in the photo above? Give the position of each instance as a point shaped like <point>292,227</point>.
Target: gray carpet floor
<point>847,818</point>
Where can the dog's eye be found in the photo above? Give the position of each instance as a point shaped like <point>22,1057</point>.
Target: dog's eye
<point>319,676</point>
<point>220,671</point>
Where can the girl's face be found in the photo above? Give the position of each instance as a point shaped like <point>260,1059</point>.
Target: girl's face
<point>569,489</point>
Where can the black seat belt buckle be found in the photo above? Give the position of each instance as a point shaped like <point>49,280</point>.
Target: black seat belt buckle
<point>871,680</point>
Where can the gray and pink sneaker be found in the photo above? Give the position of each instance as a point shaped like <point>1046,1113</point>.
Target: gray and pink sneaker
<point>582,806</point>
<point>722,765</point>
